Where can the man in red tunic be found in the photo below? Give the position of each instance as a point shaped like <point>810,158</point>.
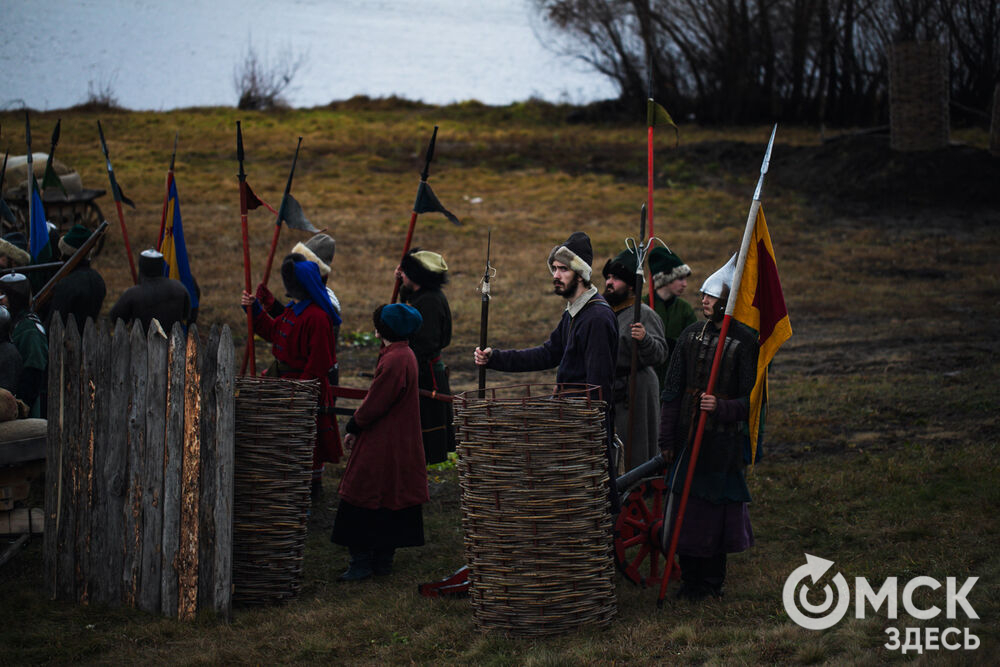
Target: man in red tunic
<point>385,483</point>
<point>302,340</point>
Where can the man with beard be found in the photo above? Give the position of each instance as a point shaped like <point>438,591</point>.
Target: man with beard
<point>716,521</point>
<point>619,291</point>
<point>670,276</point>
<point>422,274</point>
<point>584,346</point>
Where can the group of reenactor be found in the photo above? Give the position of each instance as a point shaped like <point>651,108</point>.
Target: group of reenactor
<point>405,420</point>
<point>592,345</point>
<point>80,293</point>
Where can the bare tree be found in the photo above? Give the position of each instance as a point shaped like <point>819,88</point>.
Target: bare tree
<point>752,60</point>
<point>260,83</point>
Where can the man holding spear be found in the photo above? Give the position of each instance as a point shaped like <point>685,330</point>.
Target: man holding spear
<point>647,336</point>
<point>717,521</point>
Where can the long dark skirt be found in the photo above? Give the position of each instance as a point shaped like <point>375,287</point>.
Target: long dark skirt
<point>381,528</point>
<point>711,529</point>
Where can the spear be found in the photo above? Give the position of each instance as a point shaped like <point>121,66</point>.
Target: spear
<point>424,203</point>
<point>119,198</point>
<point>484,317</point>
<point>249,355</point>
<point>291,212</point>
<point>166,193</point>
<point>713,375</point>
<point>50,178</point>
<point>640,255</point>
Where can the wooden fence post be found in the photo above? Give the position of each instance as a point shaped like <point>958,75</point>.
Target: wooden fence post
<point>187,585</point>
<point>173,459</point>
<point>152,469</point>
<point>136,435</point>
<point>66,532</point>
<point>107,517</point>
<point>225,440</point>
<point>53,456</point>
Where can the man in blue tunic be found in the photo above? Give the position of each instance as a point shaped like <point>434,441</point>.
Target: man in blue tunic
<point>584,346</point>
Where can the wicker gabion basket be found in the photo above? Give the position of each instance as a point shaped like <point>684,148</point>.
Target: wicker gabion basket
<point>275,430</point>
<point>538,541</point>
<point>918,96</point>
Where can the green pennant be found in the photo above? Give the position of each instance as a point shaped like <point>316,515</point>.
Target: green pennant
<point>657,115</point>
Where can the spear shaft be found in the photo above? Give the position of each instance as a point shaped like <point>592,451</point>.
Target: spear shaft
<point>636,315</point>
<point>484,317</point>
<point>249,356</point>
<point>166,194</point>
<point>716,363</point>
<point>281,210</point>
<point>116,191</point>
<point>413,215</point>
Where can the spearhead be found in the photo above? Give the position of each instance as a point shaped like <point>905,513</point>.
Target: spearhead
<point>173,155</point>
<point>642,223</point>
<point>765,164</point>
<point>291,172</point>
<point>104,144</point>
<point>239,150</point>
<point>430,155</point>
<point>486,273</point>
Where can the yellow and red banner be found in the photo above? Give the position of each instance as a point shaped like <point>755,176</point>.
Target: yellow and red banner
<point>760,304</point>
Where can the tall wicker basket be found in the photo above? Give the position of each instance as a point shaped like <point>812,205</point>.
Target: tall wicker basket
<point>918,96</point>
<point>538,533</point>
<point>275,430</point>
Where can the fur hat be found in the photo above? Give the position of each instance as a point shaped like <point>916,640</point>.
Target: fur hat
<point>18,291</point>
<point>425,268</point>
<point>721,281</point>
<point>622,266</point>
<point>396,321</point>
<point>319,249</point>
<point>151,263</point>
<point>666,267</point>
<point>576,253</point>
<point>15,247</point>
<point>73,239</point>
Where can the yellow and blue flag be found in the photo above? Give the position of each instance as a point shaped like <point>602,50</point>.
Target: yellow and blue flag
<point>173,247</point>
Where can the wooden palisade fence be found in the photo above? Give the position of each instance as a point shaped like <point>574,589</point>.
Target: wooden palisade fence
<point>139,473</point>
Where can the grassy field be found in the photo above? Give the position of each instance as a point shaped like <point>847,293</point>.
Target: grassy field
<point>882,446</point>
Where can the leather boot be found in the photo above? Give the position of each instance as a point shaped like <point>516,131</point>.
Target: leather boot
<point>360,567</point>
<point>382,561</point>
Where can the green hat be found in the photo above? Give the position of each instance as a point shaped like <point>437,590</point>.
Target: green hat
<point>622,266</point>
<point>666,267</point>
<point>73,239</point>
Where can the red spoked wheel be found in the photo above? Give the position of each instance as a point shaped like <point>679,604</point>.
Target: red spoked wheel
<point>637,542</point>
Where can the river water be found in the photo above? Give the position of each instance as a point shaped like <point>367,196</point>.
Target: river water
<point>183,53</point>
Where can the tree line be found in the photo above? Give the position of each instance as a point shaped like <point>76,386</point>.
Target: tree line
<point>743,61</point>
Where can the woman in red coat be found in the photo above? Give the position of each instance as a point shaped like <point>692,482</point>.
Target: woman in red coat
<point>304,347</point>
<point>385,483</point>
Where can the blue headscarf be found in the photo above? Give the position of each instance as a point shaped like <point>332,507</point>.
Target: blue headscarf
<point>307,274</point>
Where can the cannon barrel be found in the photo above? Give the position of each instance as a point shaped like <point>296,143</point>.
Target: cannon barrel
<point>651,467</point>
